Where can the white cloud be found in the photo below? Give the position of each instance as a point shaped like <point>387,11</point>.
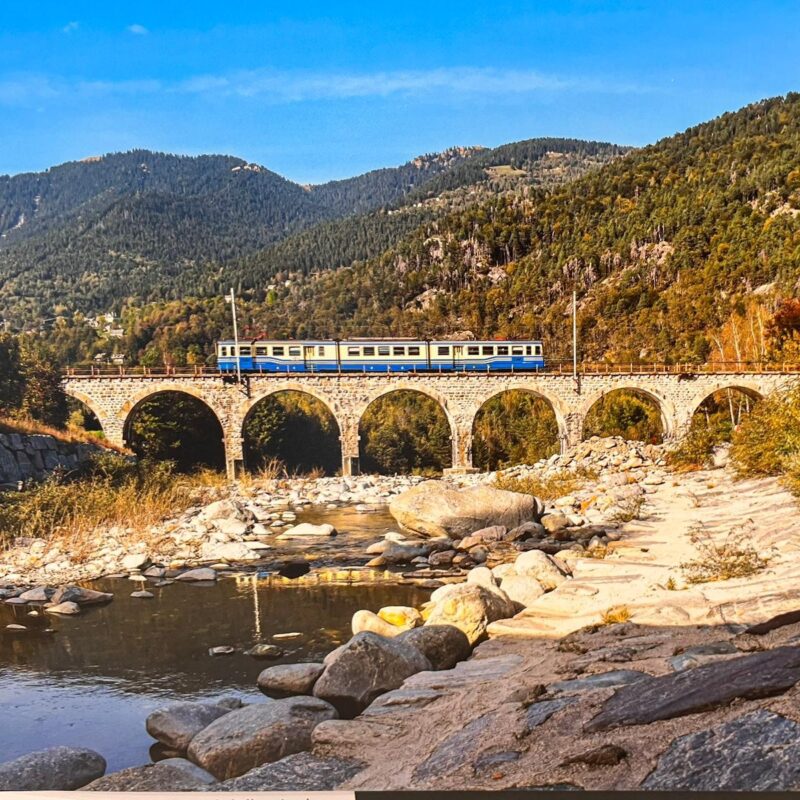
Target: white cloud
<point>138,30</point>
<point>290,87</point>
<point>70,27</point>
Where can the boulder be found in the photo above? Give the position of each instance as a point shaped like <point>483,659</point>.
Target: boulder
<point>542,567</point>
<point>443,645</point>
<point>433,508</point>
<point>528,530</point>
<point>206,778</point>
<point>200,574</point>
<point>470,608</point>
<point>177,724</point>
<point>265,650</point>
<point>522,589</point>
<point>221,509</point>
<point>495,533</point>
<point>257,734</point>
<point>756,752</point>
<point>367,621</point>
<point>701,689</point>
<point>287,680</point>
<point>67,608</point>
<point>367,666</point>
<point>39,594</point>
<point>555,522</point>
<point>226,551</point>
<point>404,617</point>
<point>307,529</point>
<point>59,769</point>
<point>160,777</point>
<point>301,772</point>
<point>400,553</point>
<point>135,561</point>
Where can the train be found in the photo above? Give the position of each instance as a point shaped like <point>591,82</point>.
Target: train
<point>378,355</point>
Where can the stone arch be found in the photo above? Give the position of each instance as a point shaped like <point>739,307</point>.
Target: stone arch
<point>665,406</point>
<point>127,411</point>
<point>408,386</point>
<point>291,387</point>
<point>89,402</point>
<point>750,388</point>
<point>555,405</point>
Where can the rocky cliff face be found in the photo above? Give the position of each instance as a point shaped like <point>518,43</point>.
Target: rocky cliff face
<point>26,457</point>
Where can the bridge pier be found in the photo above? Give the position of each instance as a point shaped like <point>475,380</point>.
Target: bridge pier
<point>678,393</point>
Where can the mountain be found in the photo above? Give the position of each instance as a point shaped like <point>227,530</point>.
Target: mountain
<point>140,227</point>
<point>680,250</point>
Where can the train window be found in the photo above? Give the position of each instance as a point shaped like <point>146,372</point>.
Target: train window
<point>399,351</point>
<point>353,351</point>
<point>369,351</point>
<point>261,350</point>
<point>413,351</point>
<point>383,350</point>
<point>223,351</point>
<point>442,351</point>
<point>473,351</point>
<point>537,349</point>
<point>320,351</point>
<point>488,350</point>
<point>278,351</point>
<point>528,350</point>
<point>294,351</point>
<point>516,350</point>
<point>245,351</point>
<point>502,350</point>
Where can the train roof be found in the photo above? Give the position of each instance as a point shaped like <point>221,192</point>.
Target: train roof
<point>366,340</point>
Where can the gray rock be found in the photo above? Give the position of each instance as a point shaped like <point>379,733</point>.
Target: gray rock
<point>39,594</point>
<point>199,773</point>
<point>528,530</point>
<point>457,749</point>
<point>603,680</point>
<point>142,594</point>
<point>67,608</point>
<point>703,688</point>
<point>60,769</point>
<point>200,574</point>
<point>368,665</point>
<point>251,736</point>
<point>286,680</point>
<point>177,724</point>
<point>538,713</point>
<point>443,645</point>
<point>266,651</point>
<point>160,777</point>
<point>757,752</point>
<point>301,772</point>
<point>400,700</point>
<point>81,596</point>
<point>434,508</point>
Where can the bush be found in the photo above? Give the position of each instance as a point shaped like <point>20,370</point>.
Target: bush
<point>550,487</point>
<point>732,557</point>
<point>768,440</point>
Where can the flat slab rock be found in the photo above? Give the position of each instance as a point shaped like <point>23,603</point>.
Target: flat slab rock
<point>301,772</point>
<point>55,769</point>
<point>177,724</point>
<point>701,689</point>
<point>757,752</point>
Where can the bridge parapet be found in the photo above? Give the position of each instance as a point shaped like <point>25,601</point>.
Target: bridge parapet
<point>114,397</point>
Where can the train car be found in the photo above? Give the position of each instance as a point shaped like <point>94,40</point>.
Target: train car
<point>379,355</point>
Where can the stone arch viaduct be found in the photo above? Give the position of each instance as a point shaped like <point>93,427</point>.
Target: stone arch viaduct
<point>113,398</point>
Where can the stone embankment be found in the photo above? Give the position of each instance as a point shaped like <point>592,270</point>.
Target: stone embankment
<point>565,644</point>
<point>32,457</point>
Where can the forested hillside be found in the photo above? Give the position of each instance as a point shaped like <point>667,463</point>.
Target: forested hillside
<point>680,250</point>
<point>139,227</point>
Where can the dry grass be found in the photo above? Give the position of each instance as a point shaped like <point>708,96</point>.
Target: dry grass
<point>71,435</point>
<point>551,487</point>
<point>616,614</point>
<point>734,556</point>
<point>628,509</point>
<point>73,512</point>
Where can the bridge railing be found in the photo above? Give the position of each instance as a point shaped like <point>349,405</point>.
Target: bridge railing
<point>552,368</point>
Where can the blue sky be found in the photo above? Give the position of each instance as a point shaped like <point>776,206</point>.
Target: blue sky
<point>319,90</point>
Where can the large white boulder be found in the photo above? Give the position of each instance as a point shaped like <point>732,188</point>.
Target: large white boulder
<point>434,508</point>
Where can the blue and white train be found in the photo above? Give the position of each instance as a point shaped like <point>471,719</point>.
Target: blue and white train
<point>378,355</point>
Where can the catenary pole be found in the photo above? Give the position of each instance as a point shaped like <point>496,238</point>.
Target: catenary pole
<point>574,336</point>
<point>232,298</point>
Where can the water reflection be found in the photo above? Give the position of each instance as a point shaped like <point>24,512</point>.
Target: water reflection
<point>93,679</point>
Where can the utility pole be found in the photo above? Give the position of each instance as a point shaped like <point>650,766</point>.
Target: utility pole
<point>232,299</point>
<point>575,342</point>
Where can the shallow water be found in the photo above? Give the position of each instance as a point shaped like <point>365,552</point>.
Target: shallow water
<point>96,677</point>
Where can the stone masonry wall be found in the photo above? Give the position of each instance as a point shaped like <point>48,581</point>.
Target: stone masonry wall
<point>25,457</point>
<point>114,398</point>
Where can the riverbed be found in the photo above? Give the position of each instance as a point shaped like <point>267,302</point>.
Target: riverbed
<point>91,680</point>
